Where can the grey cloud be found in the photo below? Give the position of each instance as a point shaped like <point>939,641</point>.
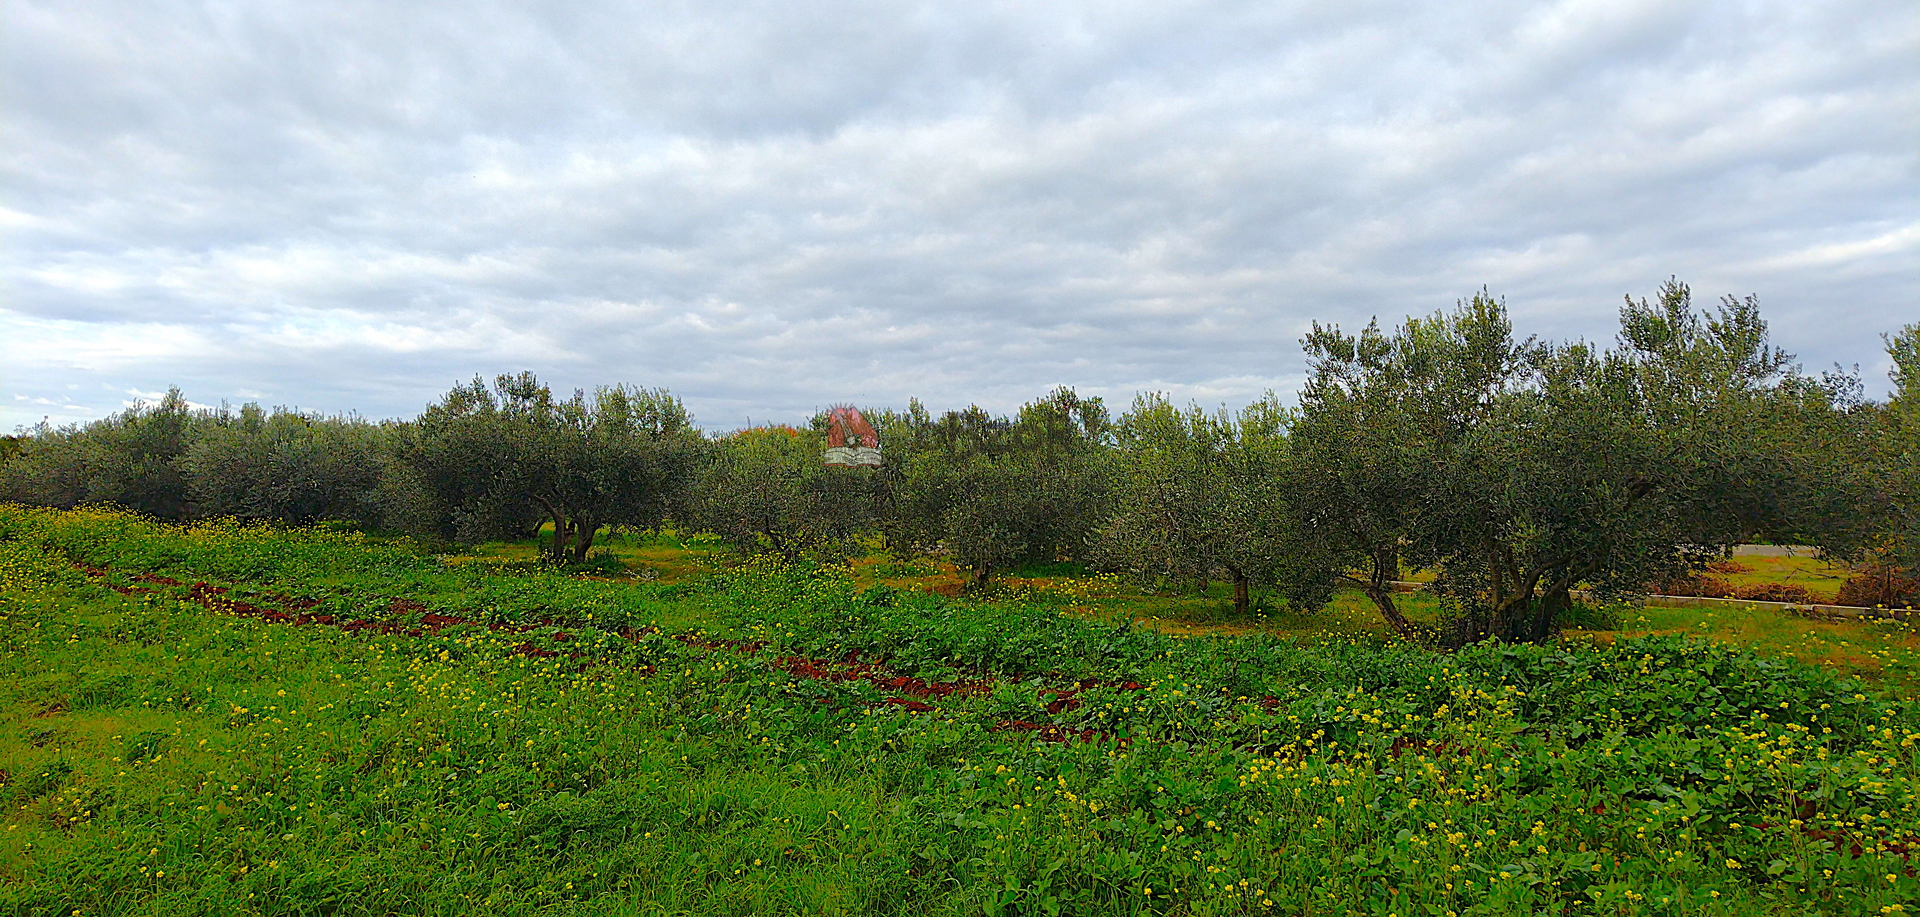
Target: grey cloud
<point>772,207</point>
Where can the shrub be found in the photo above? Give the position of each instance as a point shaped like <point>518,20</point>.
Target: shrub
<point>1880,585</point>
<point>1776,592</point>
<point>1711,587</point>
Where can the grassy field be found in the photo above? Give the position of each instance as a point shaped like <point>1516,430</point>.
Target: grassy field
<point>245,720</point>
<point>1818,576</point>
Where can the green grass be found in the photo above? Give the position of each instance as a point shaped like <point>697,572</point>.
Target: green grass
<point>165,756</point>
<point>1880,651</point>
<point>666,557</point>
<point>1821,578</point>
<point>1818,576</point>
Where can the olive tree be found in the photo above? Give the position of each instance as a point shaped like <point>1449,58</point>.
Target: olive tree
<point>1896,455</point>
<point>48,469</point>
<point>766,489</point>
<point>1381,419</point>
<point>285,466</point>
<point>993,492</point>
<point>1198,494</point>
<point>1519,470</point>
<point>128,459</point>
<point>493,457</point>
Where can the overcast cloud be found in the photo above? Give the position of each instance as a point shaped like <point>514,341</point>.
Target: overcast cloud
<point>768,208</point>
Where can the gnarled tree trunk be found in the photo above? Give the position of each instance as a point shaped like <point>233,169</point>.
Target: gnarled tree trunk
<point>1242,605</point>
<point>1379,588</point>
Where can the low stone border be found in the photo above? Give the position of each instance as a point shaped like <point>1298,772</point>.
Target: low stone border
<point>1817,612</point>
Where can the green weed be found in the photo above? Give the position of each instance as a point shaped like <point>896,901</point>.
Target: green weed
<point>748,742</point>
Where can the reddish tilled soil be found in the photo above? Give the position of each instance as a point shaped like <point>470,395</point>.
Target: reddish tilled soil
<point>909,692</point>
<point>293,611</point>
<point>850,668</point>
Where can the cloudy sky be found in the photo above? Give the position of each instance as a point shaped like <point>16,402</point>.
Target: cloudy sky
<point>771,207</point>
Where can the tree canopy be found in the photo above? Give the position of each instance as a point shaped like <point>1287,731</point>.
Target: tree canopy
<point>127,459</point>
<point>766,489</point>
<point>1521,473</point>
<point>285,466</point>
<point>1518,470</point>
<point>494,457</point>
<point>1896,456</point>
<point>1200,494</point>
<point>993,492</point>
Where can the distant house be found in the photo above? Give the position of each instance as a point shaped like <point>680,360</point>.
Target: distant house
<point>851,441</point>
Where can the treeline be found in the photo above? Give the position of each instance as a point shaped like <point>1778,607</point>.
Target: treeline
<point>1517,470</point>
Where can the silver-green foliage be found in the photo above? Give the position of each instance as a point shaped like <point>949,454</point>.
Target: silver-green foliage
<point>127,459</point>
<point>766,489</point>
<point>1521,470</point>
<point>994,492</point>
<point>286,466</point>
<point>1199,494</point>
<point>1897,452</point>
<point>496,458</point>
